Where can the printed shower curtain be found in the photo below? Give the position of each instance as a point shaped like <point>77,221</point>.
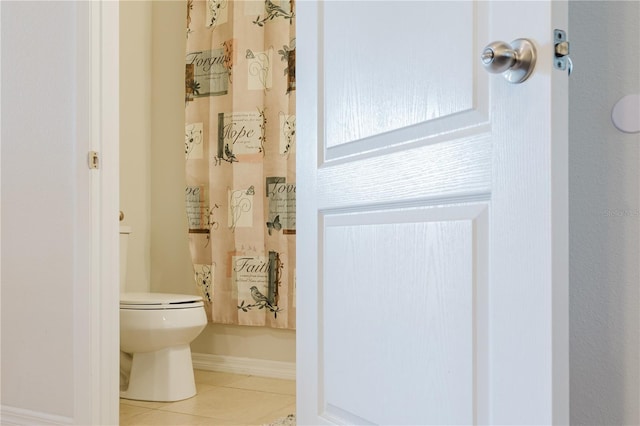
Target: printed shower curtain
<point>240,158</point>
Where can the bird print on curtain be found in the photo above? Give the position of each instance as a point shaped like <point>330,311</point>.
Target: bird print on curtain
<point>240,144</point>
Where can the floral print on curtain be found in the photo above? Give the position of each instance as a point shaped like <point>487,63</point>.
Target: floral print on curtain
<point>240,158</point>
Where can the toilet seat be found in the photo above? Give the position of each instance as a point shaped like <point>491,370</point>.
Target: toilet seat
<point>159,301</point>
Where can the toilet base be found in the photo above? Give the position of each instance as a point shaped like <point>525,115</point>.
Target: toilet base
<point>163,376</point>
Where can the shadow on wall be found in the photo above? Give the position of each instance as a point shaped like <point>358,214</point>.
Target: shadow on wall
<point>604,216</point>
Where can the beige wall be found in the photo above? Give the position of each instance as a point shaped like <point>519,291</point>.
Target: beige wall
<point>171,270</point>
<point>135,137</point>
<point>152,171</point>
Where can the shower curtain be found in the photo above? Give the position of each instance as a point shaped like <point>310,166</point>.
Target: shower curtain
<point>240,158</point>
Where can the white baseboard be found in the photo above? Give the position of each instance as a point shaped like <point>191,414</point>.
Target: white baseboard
<point>250,366</point>
<point>19,416</point>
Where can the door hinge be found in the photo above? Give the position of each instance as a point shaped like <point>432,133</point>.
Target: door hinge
<point>94,160</point>
<point>561,59</point>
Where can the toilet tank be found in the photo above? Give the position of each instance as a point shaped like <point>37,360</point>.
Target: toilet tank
<point>124,240</point>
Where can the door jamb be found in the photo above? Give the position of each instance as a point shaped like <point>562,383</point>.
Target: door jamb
<point>105,289</point>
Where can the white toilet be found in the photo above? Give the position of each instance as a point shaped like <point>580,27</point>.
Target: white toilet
<point>155,332</point>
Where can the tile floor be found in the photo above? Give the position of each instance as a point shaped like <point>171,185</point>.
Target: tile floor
<point>222,399</point>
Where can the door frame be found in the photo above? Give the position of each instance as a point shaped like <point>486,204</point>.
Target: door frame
<point>99,23</point>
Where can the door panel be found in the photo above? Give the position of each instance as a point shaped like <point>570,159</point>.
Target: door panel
<point>364,71</point>
<point>422,357</point>
<point>365,68</point>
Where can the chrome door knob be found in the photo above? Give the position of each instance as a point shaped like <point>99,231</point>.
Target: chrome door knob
<point>515,61</point>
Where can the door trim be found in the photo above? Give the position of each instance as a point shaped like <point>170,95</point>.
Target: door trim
<point>103,32</point>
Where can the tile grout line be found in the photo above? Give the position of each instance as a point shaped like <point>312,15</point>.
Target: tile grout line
<point>229,385</point>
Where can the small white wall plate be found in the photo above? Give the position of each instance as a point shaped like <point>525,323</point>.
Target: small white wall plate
<point>626,114</point>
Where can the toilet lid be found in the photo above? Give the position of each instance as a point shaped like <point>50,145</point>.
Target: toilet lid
<point>159,301</point>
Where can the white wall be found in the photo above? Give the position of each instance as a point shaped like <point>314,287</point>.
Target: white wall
<point>153,172</point>
<point>604,215</point>
<point>44,201</point>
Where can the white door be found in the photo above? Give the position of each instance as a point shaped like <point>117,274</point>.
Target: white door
<point>432,216</point>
